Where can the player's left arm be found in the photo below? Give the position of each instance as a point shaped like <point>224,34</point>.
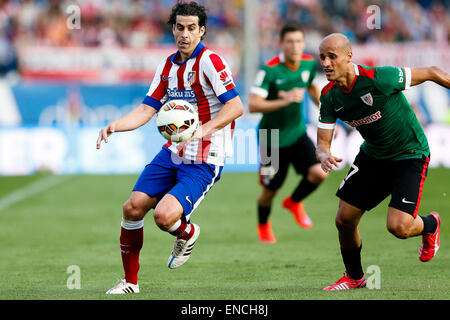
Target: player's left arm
<point>313,88</point>
<point>231,110</point>
<point>314,93</point>
<point>435,74</point>
<point>217,71</point>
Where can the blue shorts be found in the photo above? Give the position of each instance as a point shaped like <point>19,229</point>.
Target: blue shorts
<point>185,180</point>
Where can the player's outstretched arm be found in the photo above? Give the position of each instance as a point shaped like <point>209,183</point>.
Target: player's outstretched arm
<point>257,103</point>
<point>435,74</point>
<point>323,153</point>
<point>132,120</point>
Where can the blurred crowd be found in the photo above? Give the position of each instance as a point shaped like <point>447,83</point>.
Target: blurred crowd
<point>399,20</point>
<point>140,23</point>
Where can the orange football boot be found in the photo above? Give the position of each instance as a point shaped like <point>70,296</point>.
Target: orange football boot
<point>296,208</point>
<point>265,233</point>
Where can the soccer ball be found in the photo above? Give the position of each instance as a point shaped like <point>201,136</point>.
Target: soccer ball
<point>177,120</point>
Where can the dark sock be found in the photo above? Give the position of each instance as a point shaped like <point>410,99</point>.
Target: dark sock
<point>263,214</point>
<point>352,262</point>
<point>429,224</point>
<point>303,189</point>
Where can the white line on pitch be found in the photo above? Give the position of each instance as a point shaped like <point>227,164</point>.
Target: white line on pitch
<point>30,190</point>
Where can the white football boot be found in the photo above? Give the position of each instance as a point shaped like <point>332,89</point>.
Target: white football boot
<point>182,249</point>
<point>123,287</point>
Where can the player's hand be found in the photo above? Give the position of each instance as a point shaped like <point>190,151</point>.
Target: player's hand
<point>198,135</point>
<point>330,163</point>
<point>292,96</point>
<point>105,133</point>
<point>297,94</point>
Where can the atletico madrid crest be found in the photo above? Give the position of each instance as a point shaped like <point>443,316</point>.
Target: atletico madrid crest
<point>367,99</point>
<point>191,78</point>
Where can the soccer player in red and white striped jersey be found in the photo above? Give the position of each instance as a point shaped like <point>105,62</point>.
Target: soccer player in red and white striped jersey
<point>205,81</point>
<point>180,175</point>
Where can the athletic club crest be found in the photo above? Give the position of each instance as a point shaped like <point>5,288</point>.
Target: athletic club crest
<point>305,76</point>
<point>191,78</point>
<point>367,99</point>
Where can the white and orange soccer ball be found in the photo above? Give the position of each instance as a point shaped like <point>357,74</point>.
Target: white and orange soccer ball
<point>177,120</point>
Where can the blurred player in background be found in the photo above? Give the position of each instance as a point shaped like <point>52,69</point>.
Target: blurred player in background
<point>393,160</point>
<point>180,175</point>
<point>278,93</point>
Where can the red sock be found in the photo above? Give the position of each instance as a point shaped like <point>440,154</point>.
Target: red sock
<point>184,231</point>
<point>130,245</point>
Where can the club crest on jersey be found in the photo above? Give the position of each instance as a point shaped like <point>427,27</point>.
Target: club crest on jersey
<point>191,78</point>
<point>367,99</point>
<point>305,76</point>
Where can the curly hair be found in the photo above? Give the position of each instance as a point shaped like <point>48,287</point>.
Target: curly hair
<point>189,9</point>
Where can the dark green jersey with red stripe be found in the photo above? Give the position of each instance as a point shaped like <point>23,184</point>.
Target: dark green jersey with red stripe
<point>274,77</point>
<point>377,108</point>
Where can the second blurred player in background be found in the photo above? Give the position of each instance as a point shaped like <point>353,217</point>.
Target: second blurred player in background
<point>278,93</point>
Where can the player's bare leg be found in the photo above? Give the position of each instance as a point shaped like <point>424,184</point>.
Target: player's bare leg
<point>131,240</point>
<point>403,226</point>
<point>347,220</point>
<point>314,177</point>
<point>167,212</point>
<point>265,200</point>
<point>169,217</point>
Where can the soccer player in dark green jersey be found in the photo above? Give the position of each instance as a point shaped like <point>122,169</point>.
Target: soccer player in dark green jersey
<point>278,93</point>
<point>393,159</point>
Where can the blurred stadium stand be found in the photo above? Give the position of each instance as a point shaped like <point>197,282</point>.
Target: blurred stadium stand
<point>59,83</point>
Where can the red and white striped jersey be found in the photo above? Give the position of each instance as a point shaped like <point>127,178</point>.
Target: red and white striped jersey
<point>206,82</point>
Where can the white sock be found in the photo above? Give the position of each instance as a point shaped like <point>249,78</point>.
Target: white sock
<point>132,225</point>
<point>175,226</point>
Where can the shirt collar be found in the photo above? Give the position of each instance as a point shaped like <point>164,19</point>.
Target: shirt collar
<point>195,53</point>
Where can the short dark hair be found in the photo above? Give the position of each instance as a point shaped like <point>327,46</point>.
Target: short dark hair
<point>188,9</point>
<point>290,27</point>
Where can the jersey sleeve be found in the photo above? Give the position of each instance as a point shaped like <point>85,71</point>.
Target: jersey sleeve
<point>262,82</point>
<point>327,116</point>
<point>219,75</point>
<point>157,95</point>
<point>390,80</point>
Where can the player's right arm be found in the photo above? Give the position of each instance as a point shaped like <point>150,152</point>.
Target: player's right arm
<point>323,153</point>
<point>258,101</point>
<point>132,120</point>
<point>153,101</point>
<point>325,129</point>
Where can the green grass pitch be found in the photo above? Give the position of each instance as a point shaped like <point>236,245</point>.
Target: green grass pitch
<point>77,222</point>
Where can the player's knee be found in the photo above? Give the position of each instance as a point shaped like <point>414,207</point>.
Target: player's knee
<point>132,212</point>
<point>266,197</point>
<point>400,231</point>
<point>163,218</point>
<point>343,223</point>
<point>316,175</point>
